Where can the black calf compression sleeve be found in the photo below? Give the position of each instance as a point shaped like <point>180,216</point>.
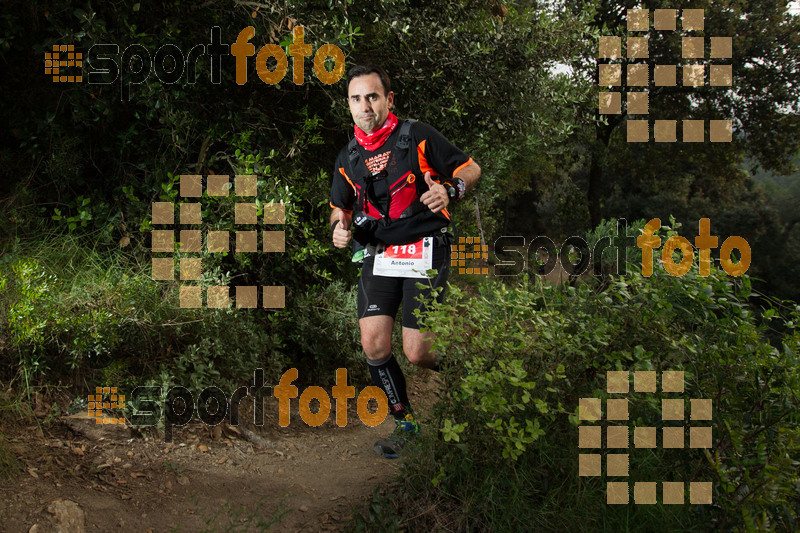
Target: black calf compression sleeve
<point>388,376</point>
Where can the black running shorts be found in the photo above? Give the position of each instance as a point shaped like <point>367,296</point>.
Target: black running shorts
<point>381,295</point>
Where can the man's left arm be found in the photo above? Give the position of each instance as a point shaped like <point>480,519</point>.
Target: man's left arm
<point>438,195</point>
<point>454,173</point>
<point>469,174</point>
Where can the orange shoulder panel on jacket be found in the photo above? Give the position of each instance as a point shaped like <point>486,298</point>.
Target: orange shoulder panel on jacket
<point>342,208</point>
<point>423,162</point>
<point>343,173</point>
<point>455,172</point>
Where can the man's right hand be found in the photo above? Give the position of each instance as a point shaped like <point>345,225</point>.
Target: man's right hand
<point>341,233</point>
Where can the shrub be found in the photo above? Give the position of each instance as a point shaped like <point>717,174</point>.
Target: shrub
<point>522,356</point>
<point>68,308</point>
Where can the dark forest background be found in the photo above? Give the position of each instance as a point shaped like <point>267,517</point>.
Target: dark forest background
<point>515,86</point>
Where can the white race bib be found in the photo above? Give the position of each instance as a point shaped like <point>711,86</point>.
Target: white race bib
<point>410,260</point>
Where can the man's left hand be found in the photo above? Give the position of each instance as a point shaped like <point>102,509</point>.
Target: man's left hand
<point>436,198</point>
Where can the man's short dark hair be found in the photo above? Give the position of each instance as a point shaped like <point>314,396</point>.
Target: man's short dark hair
<point>364,70</point>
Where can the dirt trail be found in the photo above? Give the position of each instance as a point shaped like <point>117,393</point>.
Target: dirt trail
<point>305,479</point>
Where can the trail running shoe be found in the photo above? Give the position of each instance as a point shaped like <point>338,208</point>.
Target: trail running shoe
<point>404,435</point>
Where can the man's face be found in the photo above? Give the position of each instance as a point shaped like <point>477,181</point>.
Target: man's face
<point>368,104</point>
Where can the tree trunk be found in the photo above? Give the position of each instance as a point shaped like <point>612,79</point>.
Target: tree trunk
<point>599,150</point>
<point>595,174</point>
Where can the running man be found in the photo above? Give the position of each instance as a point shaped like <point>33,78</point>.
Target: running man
<point>391,188</point>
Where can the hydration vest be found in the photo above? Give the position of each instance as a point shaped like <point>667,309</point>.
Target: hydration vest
<point>401,199</point>
<point>382,209</point>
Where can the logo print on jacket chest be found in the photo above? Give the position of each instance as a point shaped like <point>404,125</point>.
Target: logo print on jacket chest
<point>376,163</point>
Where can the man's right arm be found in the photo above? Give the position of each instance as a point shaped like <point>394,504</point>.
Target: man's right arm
<point>340,222</point>
<point>342,200</point>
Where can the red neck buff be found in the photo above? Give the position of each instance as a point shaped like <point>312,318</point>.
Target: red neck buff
<point>373,141</point>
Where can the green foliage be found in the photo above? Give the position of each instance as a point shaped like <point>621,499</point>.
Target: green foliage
<point>484,81</point>
<point>508,452</point>
<point>563,205</point>
<point>323,334</point>
<point>87,165</point>
<point>69,308</point>
<point>43,316</point>
<point>501,392</point>
<point>695,180</point>
<point>381,514</point>
<point>83,216</point>
<point>778,247</point>
<point>225,350</point>
<point>611,229</point>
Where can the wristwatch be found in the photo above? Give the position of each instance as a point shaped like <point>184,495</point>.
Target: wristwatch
<point>452,193</point>
<point>455,189</point>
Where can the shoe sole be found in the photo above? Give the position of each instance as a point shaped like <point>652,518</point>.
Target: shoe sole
<point>380,450</point>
